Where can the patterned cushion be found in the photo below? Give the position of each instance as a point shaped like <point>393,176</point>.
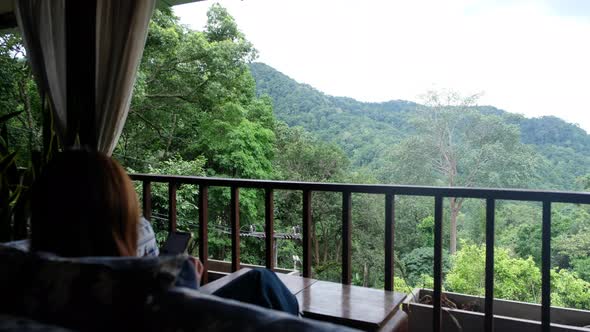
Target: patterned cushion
<point>122,294</point>
<point>94,293</point>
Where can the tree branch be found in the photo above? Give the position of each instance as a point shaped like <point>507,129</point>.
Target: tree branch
<point>148,122</point>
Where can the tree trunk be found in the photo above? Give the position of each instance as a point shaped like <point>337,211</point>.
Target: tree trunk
<point>171,136</point>
<point>325,260</point>
<point>453,231</point>
<point>28,110</point>
<point>316,247</point>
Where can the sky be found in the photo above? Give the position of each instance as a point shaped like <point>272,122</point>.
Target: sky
<point>526,56</point>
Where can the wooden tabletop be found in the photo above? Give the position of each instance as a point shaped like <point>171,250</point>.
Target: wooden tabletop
<point>359,307</point>
<point>295,284</point>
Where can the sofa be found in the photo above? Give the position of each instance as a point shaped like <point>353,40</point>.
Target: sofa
<point>43,292</point>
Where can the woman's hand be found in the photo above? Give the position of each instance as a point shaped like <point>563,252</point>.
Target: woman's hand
<point>199,269</point>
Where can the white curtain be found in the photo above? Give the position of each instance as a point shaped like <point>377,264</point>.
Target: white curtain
<point>121,31</point>
<point>42,27</point>
<point>120,37</point>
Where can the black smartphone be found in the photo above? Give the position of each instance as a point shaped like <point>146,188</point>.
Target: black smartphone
<point>176,243</point>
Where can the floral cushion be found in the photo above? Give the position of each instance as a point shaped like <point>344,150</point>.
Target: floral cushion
<point>94,293</point>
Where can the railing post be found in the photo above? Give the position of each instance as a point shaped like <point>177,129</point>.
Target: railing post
<point>203,233</point>
<point>172,207</point>
<point>546,268</point>
<point>438,218</point>
<point>147,200</point>
<point>389,240</point>
<point>235,228</point>
<point>269,228</point>
<point>489,299</point>
<point>346,237</point>
<point>307,233</point>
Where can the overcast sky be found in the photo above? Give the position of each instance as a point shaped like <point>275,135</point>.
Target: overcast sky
<point>529,57</point>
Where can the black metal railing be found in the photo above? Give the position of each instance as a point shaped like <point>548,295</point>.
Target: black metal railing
<point>389,191</point>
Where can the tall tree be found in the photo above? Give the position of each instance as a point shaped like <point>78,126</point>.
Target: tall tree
<point>195,102</point>
<point>19,93</point>
<point>195,97</point>
<point>454,145</point>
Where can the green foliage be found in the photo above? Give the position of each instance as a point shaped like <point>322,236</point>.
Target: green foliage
<point>584,182</point>
<point>426,230</point>
<point>10,188</point>
<point>195,112</point>
<point>574,245</point>
<point>581,266</point>
<point>418,264</point>
<point>195,97</point>
<point>302,157</point>
<point>551,130</point>
<point>187,213</point>
<point>567,290</point>
<point>371,134</point>
<point>515,278</point>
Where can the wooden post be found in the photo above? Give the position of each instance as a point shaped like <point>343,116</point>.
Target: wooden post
<point>346,237</point>
<point>172,207</point>
<point>307,233</point>
<point>203,233</point>
<point>389,240</point>
<point>147,200</point>
<point>438,219</point>
<point>269,228</point>
<point>235,228</point>
<point>489,299</point>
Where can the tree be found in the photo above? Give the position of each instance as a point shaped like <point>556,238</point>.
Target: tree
<point>301,157</point>
<point>19,93</point>
<point>187,213</point>
<point>456,146</point>
<point>418,263</point>
<point>515,278</point>
<point>195,96</point>
<point>584,182</point>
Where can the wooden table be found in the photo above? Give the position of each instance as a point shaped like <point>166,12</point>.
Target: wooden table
<point>358,307</point>
<point>296,284</point>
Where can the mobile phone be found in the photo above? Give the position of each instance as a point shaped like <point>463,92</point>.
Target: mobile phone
<point>176,243</point>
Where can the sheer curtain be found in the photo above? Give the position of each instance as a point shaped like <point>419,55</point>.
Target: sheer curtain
<point>120,34</point>
<point>42,26</point>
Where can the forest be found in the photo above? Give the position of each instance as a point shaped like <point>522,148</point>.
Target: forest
<point>203,106</point>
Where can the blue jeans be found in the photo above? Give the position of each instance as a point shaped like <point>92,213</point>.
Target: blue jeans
<point>260,287</point>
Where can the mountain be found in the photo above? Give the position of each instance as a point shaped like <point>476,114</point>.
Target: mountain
<point>366,130</point>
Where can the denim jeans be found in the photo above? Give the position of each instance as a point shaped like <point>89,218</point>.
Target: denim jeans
<point>260,287</point>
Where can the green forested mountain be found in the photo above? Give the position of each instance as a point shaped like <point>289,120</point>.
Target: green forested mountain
<point>366,131</point>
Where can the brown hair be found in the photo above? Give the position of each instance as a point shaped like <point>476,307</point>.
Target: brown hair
<point>84,204</point>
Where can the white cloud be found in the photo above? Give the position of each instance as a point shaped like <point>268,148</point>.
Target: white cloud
<point>527,56</point>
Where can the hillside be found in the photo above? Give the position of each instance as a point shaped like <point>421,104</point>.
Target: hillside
<point>366,130</point>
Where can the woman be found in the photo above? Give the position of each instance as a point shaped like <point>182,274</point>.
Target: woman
<point>84,204</point>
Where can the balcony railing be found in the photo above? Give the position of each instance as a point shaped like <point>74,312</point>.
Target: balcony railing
<point>389,191</point>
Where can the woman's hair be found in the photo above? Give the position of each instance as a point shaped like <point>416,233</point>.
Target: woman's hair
<point>84,204</point>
